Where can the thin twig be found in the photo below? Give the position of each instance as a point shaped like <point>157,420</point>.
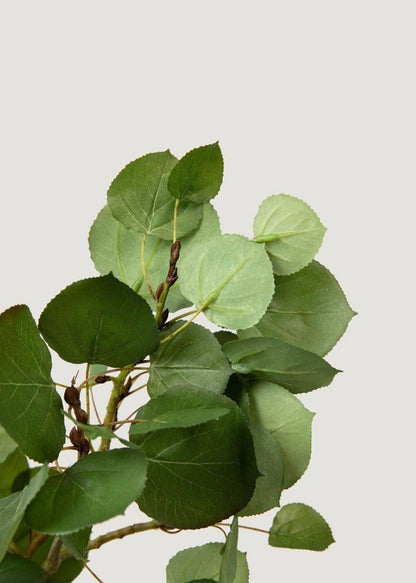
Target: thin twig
<point>122,532</point>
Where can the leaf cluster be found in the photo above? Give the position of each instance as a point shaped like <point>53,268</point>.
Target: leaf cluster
<point>223,432</point>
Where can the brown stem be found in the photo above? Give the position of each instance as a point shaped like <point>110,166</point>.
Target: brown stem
<point>122,532</point>
<point>36,539</point>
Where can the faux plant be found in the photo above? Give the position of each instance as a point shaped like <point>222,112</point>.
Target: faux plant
<point>223,432</point>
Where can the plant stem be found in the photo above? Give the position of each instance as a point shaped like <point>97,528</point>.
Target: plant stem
<point>112,405</point>
<point>146,279</point>
<point>175,219</point>
<point>36,539</point>
<point>245,527</point>
<point>54,557</point>
<point>122,532</point>
<point>176,332</point>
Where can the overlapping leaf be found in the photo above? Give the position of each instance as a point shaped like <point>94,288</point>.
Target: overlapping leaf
<point>18,569</point>
<point>10,469</point>
<point>99,320</point>
<point>228,568</point>
<point>291,230</point>
<point>7,444</point>
<point>204,562</point>
<point>96,488</point>
<point>308,310</point>
<point>30,407</point>
<point>138,197</point>
<point>230,278</point>
<point>289,423</point>
<point>198,175</point>
<point>298,526</point>
<point>192,359</point>
<point>273,360</point>
<point>12,508</point>
<point>197,475</point>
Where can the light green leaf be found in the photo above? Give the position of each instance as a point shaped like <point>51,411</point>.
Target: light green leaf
<point>228,566</point>
<point>230,278</point>
<point>28,399</point>
<point>138,197</point>
<point>99,320</point>
<point>10,469</point>
<point>204,562</point>
<point>273,360</point>
<point>308,310</point>
<point>7,445</point>
<point>17,569</point>
<point>197,475</point>
<point>12,508</point>
<point>269,484</point>
<point>198,175</point>
<point>115,249</point>
<point>291,230</point>
<point>74,500</point>
<point>288,421</point>
<point>192,359</point>
<point>208,227</point>
<point>77,543</point>
<point>298,526</point>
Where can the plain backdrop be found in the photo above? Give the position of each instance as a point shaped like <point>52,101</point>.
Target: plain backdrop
<point>315,99</point>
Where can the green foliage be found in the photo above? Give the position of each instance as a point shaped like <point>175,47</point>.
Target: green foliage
<point>298,526</point>
<point>221,432</point>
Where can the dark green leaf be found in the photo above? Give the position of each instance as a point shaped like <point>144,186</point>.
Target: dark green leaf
<point>197,475</point>
<point>291,230</point>
<point>224,336</point>
<point>228,567</point>
<point>96,488</point>
<point>273,360</point>
<point>67,572</point>
<point>230,278</point>
<point>12,508</point>
<point>10,469</point>
<point>77,543</point>
<point>192,359</point>
<point>203,563</point>
<point>288,421</point>
<point>17,569</point>
<point>298,526</point>
<point>7,445</point>
<point>308,310</point>
<point>99,320</point>
<point>198,175</point>
<point>138,197</point>
<point>30,407</point>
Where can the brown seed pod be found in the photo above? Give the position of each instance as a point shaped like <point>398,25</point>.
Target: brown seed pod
<point>76,435</point>
<point>81,416</point>
<point>102,379</point>
<point>159,290</point>
<point>71,396</point>
<point>84,447</point>
<point>174,252</point>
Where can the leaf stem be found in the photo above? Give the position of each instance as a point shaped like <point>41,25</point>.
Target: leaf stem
<point>112,405</point>
<point>245,527</point>
<point>54,557</point>
<point>182,316</point>
<point>175,219</point>
<point>122,532</point>
<point>36,539</point>
<point>176,332</point>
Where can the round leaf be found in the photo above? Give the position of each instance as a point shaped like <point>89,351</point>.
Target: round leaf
<point>17,569</point>
<point>288,421</point>
<point>198,175</point>
<point>201,563</point>
<point>291,230</point>
<point>138,197</point>
<point>192,359</point>
<point>308,310</point>
<point>28,398</point>
<point>298,526</point>
<point>96,488</point>
<point>230,278</point>
<point>99,320</point>
<point>197,475</point>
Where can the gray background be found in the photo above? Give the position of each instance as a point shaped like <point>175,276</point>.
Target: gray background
<point>315,99</point>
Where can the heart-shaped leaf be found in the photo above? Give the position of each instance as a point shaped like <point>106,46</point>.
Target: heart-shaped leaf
<point>298,526</point>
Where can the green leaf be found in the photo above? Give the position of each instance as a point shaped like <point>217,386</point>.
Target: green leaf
<point>273,360</point>
<point>198,175</point>
<point>298,526</point>
<point>67,572</point>
<point>10,469</point>
<point>138,197</point>
<point>288,421</point>
<point>99,320</point>
<point>291,230</point>
<point>12,508</point>
<point>208,227</point>
<point>230,278</point>
<point>269,459</point>
<point>96,488</point>
<point>30,407</point>
<point>115,249</point>
<point>187,417</point>
<point>203,563</point>
<point>308,310</point>
<point>7,445</point>
<point>224,336</point>
<point>192,359</point>
<point>17,569</point>
<point>197,475</point>
<point>228,566</point>
<point>77,543</point>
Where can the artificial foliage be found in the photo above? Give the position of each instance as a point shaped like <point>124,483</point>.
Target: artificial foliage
<point>221,332</point>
